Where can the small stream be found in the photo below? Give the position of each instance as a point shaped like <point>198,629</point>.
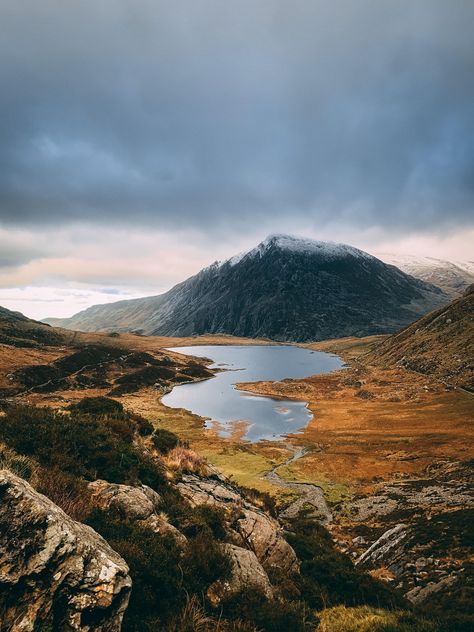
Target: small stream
<point>310,495</point>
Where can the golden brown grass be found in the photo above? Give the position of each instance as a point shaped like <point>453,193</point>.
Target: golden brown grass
<point>367,619</point>
<point>376,423</point>
<point>348,348</point>
<point>18,464</point>
<point>187,461</point>
<point>368,422</point>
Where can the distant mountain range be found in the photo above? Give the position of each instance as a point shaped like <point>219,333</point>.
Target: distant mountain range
<point>453,277</point>
<point>287,289</point>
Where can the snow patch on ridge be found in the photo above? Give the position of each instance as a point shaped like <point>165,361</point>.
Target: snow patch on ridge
<point>326,250</point>
<point>410,263</point>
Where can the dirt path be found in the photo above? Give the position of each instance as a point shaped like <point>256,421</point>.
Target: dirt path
<point>311,495</point>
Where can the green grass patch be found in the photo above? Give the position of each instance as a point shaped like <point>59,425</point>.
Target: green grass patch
<point>334,493</point>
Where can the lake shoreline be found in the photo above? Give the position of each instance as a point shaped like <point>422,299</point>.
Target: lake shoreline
<point>227,404</point>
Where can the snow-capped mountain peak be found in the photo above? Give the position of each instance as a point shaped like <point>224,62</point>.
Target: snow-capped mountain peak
<point>326,250</point>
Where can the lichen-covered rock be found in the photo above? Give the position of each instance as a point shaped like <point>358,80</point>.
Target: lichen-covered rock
<point>390,545</point>
<point>160,525</point>
<point>246,571</point>
<point>140,503</point>
<point>253,528</point>
<point>419,594</point>
<point>53,569</point>
<point>262,534</point>
<point>134,503</point>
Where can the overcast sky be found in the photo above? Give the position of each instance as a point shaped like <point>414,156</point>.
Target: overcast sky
<point>143,139</point>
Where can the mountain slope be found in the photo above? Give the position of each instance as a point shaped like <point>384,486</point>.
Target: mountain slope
<point>285,289</point>
<point>19,331</point>
<point>440,344</point>
<point>453,277</point>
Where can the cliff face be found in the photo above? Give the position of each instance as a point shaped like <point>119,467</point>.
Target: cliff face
<point>53,570</point>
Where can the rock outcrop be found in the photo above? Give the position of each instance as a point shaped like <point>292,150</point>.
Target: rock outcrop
<point>140,503</point>
<point>252,528</point>
<point>54,570</point>
<point>134,503</point>
<point>390,545</point>
<point>427,555</point>
<point>246,571</point>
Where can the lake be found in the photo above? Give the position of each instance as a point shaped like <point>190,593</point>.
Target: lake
<point>247,416</point>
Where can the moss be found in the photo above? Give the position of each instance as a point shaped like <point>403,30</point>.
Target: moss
<point>334,493</point>
<point>245,467</point>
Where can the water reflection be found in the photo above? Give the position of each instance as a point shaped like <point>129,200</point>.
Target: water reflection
<point>250,417</point>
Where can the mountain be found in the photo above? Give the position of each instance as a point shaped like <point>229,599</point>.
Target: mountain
<point>19,331</point>
<point>453,277</point>
<point>439,344</point>
<point>286,289</point>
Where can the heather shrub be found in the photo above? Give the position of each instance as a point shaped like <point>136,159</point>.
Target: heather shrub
<point>67,492</point>
<point>251,605</point>
<point>164,576</point>
<point>98,406</point>
<point>164,440</point>
<point>144,427</point>
<point>329,577</point>
<point>204,518</point>
<point>154,563</point>
<point>204,563</point>
<point>79,444</point>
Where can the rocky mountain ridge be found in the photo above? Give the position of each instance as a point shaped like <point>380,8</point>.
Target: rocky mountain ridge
<point>286,288</point>
<point>453,277</point>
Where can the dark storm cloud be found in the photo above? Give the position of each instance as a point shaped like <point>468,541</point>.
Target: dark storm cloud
<point>218,113</point>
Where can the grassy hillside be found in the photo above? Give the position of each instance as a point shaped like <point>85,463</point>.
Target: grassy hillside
<point>441,344</point>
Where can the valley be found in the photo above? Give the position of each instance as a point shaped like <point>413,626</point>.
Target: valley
<point>385,462</point>
<point>236,316</point>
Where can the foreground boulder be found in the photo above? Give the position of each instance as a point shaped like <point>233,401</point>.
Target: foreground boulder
<point>54,570</point>
<point>246,571</point>
<point>134,503</point>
